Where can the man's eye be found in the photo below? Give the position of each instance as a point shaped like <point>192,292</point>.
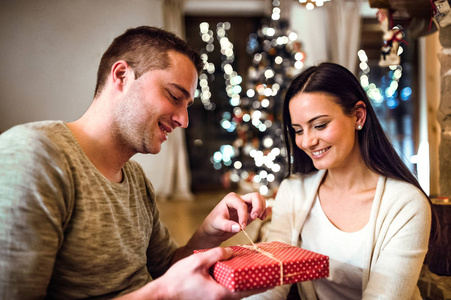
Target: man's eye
<point>173,97</point>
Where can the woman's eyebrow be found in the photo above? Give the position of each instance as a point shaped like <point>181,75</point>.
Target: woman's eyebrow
<point>312,120</point>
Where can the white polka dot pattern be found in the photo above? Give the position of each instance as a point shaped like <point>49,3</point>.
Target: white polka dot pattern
<point>249,269</point>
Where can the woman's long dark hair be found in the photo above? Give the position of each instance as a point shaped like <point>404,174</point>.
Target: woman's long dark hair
<point>377,151</point>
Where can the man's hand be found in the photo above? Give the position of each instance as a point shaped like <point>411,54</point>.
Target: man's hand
<point>190,278</point>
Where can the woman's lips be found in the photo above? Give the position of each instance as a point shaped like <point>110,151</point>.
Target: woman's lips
<point>320,152</point>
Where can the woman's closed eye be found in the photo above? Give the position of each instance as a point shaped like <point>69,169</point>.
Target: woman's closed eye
<point>321,126</point>
<point>298,130</point>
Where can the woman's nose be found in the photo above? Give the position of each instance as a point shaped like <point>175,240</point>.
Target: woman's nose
<point>308,140</point>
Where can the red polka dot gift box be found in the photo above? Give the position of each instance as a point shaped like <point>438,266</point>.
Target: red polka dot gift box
<point>268,265</point>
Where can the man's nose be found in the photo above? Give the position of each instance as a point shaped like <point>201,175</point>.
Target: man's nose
<point>181,117</point>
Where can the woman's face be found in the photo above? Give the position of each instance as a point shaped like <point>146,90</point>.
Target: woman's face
<point>323,131</point>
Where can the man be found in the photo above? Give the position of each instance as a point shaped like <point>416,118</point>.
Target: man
<point>78,219</point>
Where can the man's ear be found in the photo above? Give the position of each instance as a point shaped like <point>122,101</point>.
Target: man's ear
<point>360,113</point>
<point>121,73</point>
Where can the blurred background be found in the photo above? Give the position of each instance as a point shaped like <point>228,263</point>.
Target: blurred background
<point>251,49</point>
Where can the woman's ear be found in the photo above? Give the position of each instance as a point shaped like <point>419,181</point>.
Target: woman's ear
<point>360,114</point>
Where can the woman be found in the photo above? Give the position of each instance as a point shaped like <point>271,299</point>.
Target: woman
<point>348,194</point>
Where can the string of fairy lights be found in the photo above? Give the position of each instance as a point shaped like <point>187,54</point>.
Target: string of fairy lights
<point>311,4</point>
<point>257,155</point>
<point>387,93</point>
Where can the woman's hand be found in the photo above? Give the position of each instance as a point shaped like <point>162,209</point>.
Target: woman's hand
<point>229,216</point>
<point>224,221</point>
<point>234,212</point>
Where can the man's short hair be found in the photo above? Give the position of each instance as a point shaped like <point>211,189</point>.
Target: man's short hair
<point>144,48</point>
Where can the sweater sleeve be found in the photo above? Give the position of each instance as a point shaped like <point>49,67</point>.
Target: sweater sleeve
<point>34,205</point>
<point>401,242</point>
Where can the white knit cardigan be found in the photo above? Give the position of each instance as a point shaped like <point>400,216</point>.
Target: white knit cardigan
<point>399,224</point>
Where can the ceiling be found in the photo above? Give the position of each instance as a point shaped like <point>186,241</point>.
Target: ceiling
<point>227,7</point>
<point>245,7</point>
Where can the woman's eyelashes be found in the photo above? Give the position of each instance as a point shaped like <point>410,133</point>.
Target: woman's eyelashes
<point>321,126</point>
<point>297,130</point>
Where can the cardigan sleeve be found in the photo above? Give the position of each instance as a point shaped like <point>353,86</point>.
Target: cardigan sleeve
<point>400,243</point>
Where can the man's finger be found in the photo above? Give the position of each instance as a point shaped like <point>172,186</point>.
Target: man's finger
<point>212,256</point>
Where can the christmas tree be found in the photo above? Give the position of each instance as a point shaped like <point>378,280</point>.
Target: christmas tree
<point>256,159</point>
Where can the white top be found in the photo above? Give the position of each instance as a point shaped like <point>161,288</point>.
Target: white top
<point>345,263</point>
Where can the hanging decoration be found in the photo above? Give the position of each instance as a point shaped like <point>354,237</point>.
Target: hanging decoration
<point>441,13</point>
<point>415,16</point>
<point>393,36</point>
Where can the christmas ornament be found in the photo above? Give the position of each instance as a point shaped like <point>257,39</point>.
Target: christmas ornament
<point>441,11</point>
<point>393,36</point>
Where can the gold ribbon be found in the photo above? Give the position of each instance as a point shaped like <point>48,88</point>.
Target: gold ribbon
<point>263,252</point>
